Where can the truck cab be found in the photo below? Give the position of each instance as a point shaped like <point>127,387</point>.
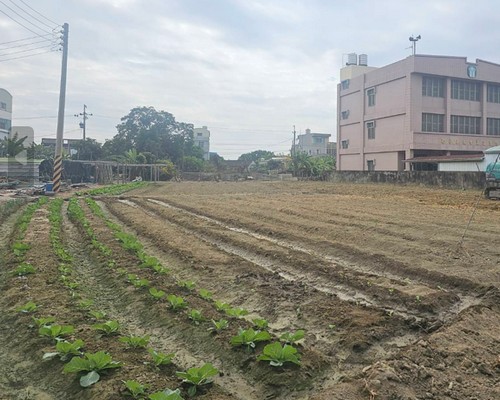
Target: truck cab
<point>492,189</point>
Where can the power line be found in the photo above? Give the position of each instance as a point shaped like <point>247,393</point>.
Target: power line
<point>27,20</point>
<point>29,38</point>
<point>43,16</point>
<point>27,50</point>
<point>24,45</point>
<point>35,18</point>
<point>29,55</point>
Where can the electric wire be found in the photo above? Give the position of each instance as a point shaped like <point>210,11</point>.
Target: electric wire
<point>43,16</point>
<point>28,38</point>
<point>26,50</point>
<point>28,55</point>
<point>28,21</point>
<point>25,44</point>
<point>32,16</point>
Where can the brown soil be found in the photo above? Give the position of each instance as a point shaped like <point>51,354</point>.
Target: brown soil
<point>394,303</point>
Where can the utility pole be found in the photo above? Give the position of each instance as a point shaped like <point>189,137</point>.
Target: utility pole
<point>294,152</point>
<point>60,116</point>
<point>85,116</point>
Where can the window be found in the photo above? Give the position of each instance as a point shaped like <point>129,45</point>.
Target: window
<point>465,124</point>
<point>201,144</point>
<point>463,90</point>
<point>3,106</point>
<point>432,122</point>
<point>493,126</point>
<point>371,97</point>
<point>345,144</point>
<point>370,127</point>
<point>199,133</point>
<point>370,165</point>
<point>345,114</point>
<point>433,87</point>
<point>493,94</point>
<point>345,84</point>
<point>318,140</point>
<point>4,124</point>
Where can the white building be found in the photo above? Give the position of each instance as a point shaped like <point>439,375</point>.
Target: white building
<point>202,140</point>
<point>313,144</point>
<point>5,113</point>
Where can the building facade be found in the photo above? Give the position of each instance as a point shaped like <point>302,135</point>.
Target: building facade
<point>5,113</point>
<point>313,144</point>
<point>202,140</point>
<point>422,106</point>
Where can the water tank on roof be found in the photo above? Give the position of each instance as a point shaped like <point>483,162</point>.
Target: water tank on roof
<point>352,59</point>
<point>363,59</point>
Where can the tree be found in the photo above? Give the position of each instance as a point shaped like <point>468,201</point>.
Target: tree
<point>256,155</point>
<point>155,133</point>
<point>88,149</point>
<point>192,164</point>
<point>40,152</point>
<point>11,147</point>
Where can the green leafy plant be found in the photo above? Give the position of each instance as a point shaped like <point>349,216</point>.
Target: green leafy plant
<point>278,355</point>
<point>219,325</point>
<point>249,337</point>
<point>221,306</point>
<point>157,294</point>
<point>160,359</point>
<point>55,331</point>
<point>160,269</point>
<point>108,327</point>
<point>29,307</point>
<point>292,338</point>
<point>85,303</point>
<point>93,364</point>
<point>148,261</point>
<point>206,294</point>
<point>135,342</point>
<point>189,285</point>
<point>135,389</point>
<point>141,283</point>
<point>19,249</point>
<point>166,394</point>
<point>39,322</point>
<point>98,315</point>
<point>176,302</point>
<point>65,350</point>
<point>260,323</point>
<point>196,377</point>
<point>236,312</point>
<point>195,316</point>
<point>129,242</point>
<point>24,269</point>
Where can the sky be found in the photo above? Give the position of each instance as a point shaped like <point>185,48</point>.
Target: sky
<point>249,70</point>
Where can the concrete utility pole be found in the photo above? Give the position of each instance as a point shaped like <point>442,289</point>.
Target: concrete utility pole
<point>60,116</point>
<point>294,152</point>
<point>85,116</point>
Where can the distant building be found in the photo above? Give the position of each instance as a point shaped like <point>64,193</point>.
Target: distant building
<point>5,113</point>
<point>331,149</point>
<point>406,114</point>
<point>202,140</point>
<point>313,144</point>
<point>69,145</point>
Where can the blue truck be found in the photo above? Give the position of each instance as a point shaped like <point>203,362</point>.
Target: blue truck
<point>492,189</point>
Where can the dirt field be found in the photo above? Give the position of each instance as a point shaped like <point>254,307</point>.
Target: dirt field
<point>396,302</point>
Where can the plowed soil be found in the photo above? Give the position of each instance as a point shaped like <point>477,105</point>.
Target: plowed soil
<point>397,289</point>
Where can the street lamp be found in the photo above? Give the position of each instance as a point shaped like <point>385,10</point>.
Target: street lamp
<point>414,41</point>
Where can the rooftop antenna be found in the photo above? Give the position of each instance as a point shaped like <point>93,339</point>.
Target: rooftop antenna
<point>414,41</point>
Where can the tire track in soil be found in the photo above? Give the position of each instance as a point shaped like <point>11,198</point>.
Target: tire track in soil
<point>362,335</point>
<point>168,333</point>
<point>350,290</point>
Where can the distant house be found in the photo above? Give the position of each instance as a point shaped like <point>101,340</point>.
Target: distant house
<point>69,145</point>
<point>202,140</point>
<point>313,144</point>
<point>5,113</point>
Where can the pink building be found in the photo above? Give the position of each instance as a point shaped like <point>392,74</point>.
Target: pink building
<point>394,117</point>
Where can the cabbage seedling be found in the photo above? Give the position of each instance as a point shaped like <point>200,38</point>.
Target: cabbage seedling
<point>219,325</point>
<point>189,285</point>
<point>135,342</point>
<point>221,306</point>
<point>157,294</point>
<point>141,283</point>
<point>29,307</point>
<point>236,312</point>
<point>135,389</point>
<point>56,331</point>
<point>39,322</point>
<point>108,327</point>
<point>24,269</point>
<point>278,355</point>
<point>160,269</point>
<point>86,303</point>
<point>292,338</point>
<point>98,315</point>
<point>65,350</point>
<point>260,323</point>
<point>19,249</point>
<point>160,359</point>
<point>93,364</point>
<point>249,337</point>
<point>167,394</point>
<point>195,316</point>
<point>176,302</point>
<point>206,294</point>
<point>196,377</point>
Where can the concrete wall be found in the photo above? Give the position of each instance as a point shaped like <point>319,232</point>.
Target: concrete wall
<point>453,180</point>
